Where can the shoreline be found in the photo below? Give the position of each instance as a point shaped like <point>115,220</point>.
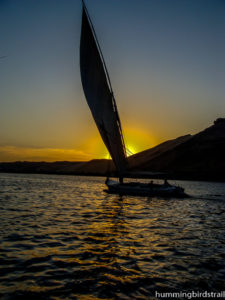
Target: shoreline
<point>183,177</point>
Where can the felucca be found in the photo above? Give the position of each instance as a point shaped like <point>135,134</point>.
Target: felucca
<point>100,98</point>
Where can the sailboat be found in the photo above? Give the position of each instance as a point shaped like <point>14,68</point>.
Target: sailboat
<point>101,101</point>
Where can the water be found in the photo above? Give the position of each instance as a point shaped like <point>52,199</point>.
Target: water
<point>63,237</point>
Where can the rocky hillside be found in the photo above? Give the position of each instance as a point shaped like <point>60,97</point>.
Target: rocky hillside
<point>201,156</point>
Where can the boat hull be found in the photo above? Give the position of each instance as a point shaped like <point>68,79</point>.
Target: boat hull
<point>143,189</point>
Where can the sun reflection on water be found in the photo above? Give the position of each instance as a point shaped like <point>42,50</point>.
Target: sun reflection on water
<point>63,237</point>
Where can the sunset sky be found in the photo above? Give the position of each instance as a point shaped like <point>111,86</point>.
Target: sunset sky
<point>166,61</point>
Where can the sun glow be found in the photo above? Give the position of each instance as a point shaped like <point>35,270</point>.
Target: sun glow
<point>130,150</point>
<point>135,139</point>
<point>13,153</point>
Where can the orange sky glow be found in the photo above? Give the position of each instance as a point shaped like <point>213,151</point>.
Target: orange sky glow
<point>135,140</point>
<point>166,65</point>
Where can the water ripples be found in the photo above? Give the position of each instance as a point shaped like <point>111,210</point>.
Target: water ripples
<point>62,237</point>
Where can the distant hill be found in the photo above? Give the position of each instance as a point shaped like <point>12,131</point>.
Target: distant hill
<point>92,167</point>
<point>200,156</point>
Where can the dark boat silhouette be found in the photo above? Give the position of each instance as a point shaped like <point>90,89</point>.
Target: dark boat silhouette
<point>100,98</point>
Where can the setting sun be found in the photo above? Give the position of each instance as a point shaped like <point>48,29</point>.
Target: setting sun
<point>137,139</point>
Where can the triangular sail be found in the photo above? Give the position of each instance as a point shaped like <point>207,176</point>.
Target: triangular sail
<point>99,95</point>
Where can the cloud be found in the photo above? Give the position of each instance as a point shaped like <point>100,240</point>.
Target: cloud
<point>13,153</point>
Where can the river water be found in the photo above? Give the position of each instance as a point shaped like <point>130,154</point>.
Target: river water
<point>63,237</point>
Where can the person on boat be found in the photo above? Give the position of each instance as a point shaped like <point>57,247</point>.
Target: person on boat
<point>151,183</point>
<point>121,180</point>
<point>166,182</point>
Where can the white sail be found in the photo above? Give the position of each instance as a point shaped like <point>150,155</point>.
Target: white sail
<point>99,95</point>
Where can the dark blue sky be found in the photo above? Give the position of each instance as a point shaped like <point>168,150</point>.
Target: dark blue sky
<point>165,59</point>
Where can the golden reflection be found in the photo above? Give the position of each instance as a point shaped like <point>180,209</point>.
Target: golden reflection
<point>116,234</point>
<point>109,239</point>
<point>113,228</point>
<point>88,297</point>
